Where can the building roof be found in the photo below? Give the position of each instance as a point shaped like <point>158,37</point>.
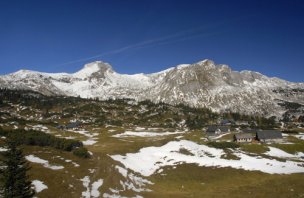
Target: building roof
<point>269,134</point>
<point>226,121</point>
<point>223,128</point>
<point>211,133</point>
<point>211,128</point>
<point>250,130</point>
<point>243,136</point>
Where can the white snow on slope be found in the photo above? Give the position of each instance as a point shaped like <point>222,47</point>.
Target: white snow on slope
<point>95,187</point>
<point>148,160</point>
<point>89,142</point>
<point>122,171</point>
<point>275,152</point>
<point>220,136</point>
<point>86,183</point>
<point>300,136</point>
<point>132,181</point>
<point>91,136</point>
<point>88,70</point>
<point>39,186</point>
<point>45,163</point>
<point>3,149</point>
<point>93,191</point>
<point>145,134</point>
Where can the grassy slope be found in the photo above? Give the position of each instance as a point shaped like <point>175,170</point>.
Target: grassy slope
<point>186,180</point>
<point>194,181</point>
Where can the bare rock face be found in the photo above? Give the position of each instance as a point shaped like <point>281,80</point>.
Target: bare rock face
<point>202,84</point>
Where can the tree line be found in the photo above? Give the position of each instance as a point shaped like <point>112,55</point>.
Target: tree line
<point>38,138</point>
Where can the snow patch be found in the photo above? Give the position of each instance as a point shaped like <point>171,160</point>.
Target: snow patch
<point>3,149</point>
<point>132,182</point>
<point>275,152</point>
<point>122,171</point>
<point>300,136</point>
<point>93,191</point>
<point>89,142</point>
<point>148,160</point>
<point>45,163</point>
<point>38,186</point>
<point>95,187</point>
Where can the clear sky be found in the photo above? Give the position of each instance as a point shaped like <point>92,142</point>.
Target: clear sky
<point>144,36</point>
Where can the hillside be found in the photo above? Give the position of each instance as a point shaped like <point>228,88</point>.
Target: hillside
<point>201,84</point>
<point>32,106</point>
<point>146,149</point>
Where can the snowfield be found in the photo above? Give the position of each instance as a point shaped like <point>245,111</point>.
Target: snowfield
<point>145,134</point>
<point>148,160</point>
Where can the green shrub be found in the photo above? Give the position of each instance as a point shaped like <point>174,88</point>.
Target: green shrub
<point>38,138</point>
<point>223,145</point>
<point>81,152</point>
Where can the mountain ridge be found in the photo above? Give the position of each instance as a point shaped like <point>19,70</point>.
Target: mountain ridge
<point>201,84</point>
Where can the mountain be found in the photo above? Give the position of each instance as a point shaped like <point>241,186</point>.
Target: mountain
<point>201,84</point>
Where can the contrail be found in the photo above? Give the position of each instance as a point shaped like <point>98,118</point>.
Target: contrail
<point>148,43</point>
<point>172,38</point>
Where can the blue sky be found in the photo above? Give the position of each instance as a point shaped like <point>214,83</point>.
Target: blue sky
<point>137,36</point>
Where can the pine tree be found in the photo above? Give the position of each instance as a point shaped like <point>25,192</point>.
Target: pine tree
<point>15,181</point>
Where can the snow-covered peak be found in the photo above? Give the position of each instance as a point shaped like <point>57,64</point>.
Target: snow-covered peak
<point>201,84</point>
<point>204,61</point>
<point>97,65</point>
<point>182,66</point>
<point>22,72</point>
<point>224,68</point>
<point>203,64</point>
<point>206,64</point>
<point>92,68</point>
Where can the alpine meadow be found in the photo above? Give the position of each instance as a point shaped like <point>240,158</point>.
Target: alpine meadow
<point>146,99</point>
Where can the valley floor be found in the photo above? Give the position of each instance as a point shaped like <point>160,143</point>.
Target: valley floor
<point>155,162</point>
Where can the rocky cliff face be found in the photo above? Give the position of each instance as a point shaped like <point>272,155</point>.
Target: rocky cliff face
<point>202,84</point>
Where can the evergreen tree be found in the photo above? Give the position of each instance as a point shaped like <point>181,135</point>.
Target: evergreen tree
<point>15,182</point>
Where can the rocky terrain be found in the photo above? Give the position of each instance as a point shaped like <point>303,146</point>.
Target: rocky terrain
<point>201,84</point>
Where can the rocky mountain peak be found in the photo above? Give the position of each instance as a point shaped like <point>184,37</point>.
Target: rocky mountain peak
<point>206,63</point>
<point>97,64</point>
<point>200,84</point>
<point>94,69</point>
<point>201,65</point>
